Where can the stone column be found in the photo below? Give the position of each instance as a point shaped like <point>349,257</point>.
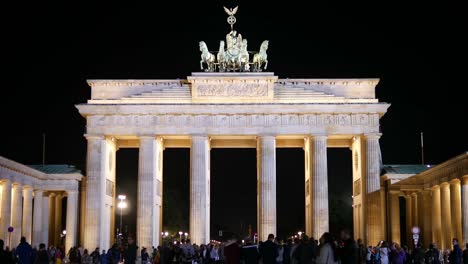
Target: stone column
<point>37,218</point>
<point>455,203</point>
<point>373,221</point>
<point>45,219</point>
<point>148,209</point>
<point>200,190</point>
<point>6,210</point>
<point>446,215</point>
<point>52,229</point>
<point>436,217</point>
<point>27,213</point>
<point>82,211</point>
<point>72,219</point>
<point>394,216</point>
<point>319,186</point>
<point>409,218</point>
<point>414,209</point>
<point>464,207</point>
<point>266,181</point>
<point>99,165</point>
<point>58,219</point>
<point>16,213</point>
<point>426,217</point>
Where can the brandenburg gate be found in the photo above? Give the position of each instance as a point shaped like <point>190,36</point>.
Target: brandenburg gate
<point>231,105</point>
<point>231,110</point>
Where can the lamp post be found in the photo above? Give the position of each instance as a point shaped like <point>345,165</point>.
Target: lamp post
<point>122,204</point>
<point>180,236</point>
<point>300,234</point>
<point>63,234</point>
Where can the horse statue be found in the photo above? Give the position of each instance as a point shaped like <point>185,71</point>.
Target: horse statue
<point>261,57</point>
<point>221,57</point>
<point>207,58</point>
<point>243,58</point>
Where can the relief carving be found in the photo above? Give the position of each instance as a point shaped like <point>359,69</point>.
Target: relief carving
<point>234,89</point>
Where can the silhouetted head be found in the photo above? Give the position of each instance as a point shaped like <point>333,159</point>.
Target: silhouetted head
<point>271,237</point>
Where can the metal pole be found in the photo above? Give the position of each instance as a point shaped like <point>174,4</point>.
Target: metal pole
<point>43,148</point>
<point>121,220</point>
<point>422,148</point>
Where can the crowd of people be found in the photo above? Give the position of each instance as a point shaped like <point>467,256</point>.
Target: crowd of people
<point>304,250</point>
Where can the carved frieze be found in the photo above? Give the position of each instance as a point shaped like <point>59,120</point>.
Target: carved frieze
<point>255,120</point>
<point>229,90</point>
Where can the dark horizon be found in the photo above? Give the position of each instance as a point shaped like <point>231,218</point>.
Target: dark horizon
<point>414,50</point>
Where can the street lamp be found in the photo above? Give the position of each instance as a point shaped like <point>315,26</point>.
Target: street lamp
<point>122,204</point>
<point>180,236</point>
<point>186,235</point>
<point>63,234</point>
<point>300,234</point>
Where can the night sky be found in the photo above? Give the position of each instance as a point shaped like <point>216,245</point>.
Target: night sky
<point>415,50</point>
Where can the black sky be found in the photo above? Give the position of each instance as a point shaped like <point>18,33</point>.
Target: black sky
<point>416,51</point>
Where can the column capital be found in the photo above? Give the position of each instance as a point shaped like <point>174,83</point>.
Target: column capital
<point>27,187</point>
<point>91,136</point>
<point>464,180</point>
<point>435,187</point>
<point>454,181</point>
<point>52,195</point>
<point>5,181</point>
<point>315,137</point>
<point>266,136</point>
<point>71,192</point>
<point>444,184</point>
<point>147,137</point>
<point>397,192</point>
<point>199,136</point>
<point>373,135</point>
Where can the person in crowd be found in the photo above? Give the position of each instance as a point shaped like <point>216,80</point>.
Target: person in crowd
<point>456,253</point>
<point>398,254</point>
<point>24,251</point>
<point>369,255</point>
<point>144,256</point>
<point>384,252</point>
<point>432,255</point>
<point>86,258</point>
<point>349,251</point>
<point>280,247</point>
<point>232,252</point>
<point>42,256</point>
<point>214,254</point>
<point>5,256</point>
<point>74,255</point>
<point>58,256</point>
<point>95,256</point>
<point>249,252</point>
<point>362,252</point>
<point>328,253</point>
<point>293,255</point>
<point>465,254</point>
<point>419,254</point>
<point>269,251</point>
<point>131,251</point>
<point>287,252</point>
<point>103,258</point>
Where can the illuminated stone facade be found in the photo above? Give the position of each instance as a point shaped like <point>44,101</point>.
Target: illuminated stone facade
<point>223,110</point>
<point>31,203</point>
<point>435,198</point>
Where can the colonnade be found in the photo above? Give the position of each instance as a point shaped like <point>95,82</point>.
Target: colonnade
<point>440,211</point>
<point>36,214</point>
<point>101,177</point>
